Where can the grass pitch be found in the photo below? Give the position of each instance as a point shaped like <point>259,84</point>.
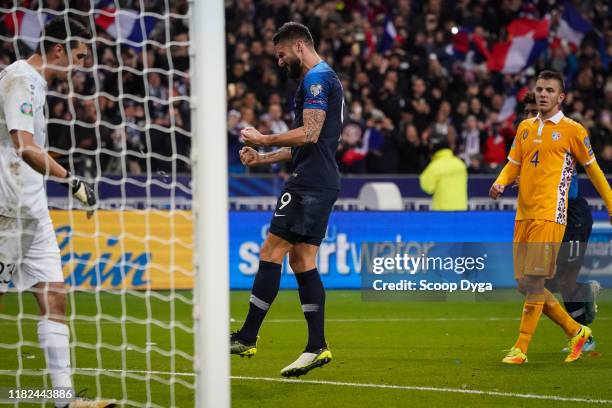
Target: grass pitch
<point>386,354</point>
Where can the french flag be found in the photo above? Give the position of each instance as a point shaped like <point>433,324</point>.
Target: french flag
<point>27,25</point>
<point>389,36</point>
<point>528,38</point>
<point>466,41</point>
<point>507,111</point>
<point>572,26</point>
<point>126,26</point>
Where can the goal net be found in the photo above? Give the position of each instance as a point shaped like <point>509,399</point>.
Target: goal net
<point>122,122</point>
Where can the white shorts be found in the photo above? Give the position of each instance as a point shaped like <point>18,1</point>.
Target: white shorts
<point>28,253</point>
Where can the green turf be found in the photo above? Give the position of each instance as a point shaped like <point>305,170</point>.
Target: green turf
<point>426,344</point>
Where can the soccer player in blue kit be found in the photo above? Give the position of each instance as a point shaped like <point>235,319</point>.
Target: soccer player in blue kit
<point>299,221</point>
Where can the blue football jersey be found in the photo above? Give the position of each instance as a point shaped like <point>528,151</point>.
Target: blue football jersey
<point>314,164</point>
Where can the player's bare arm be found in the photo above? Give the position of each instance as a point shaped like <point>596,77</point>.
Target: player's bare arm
<point>35,156</point>
<point>39,160</point>
<point>313,122</point>
<point>309,133</point>
<point>250,157</point>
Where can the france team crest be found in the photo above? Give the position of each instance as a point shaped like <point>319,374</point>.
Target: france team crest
<point>556,136</point>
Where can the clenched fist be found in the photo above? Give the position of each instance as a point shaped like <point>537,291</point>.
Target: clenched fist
<point>252,137</point>
<point>249,156</point>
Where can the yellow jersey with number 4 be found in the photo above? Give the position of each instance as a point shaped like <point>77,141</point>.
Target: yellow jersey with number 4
<point>547,152</point>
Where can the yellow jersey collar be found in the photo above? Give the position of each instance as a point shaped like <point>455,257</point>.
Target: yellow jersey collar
<point>556,118</point>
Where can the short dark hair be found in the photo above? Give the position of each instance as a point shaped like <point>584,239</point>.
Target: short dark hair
<point>438,142</point>
<point>556,75</point>
<point>529,98</point>
<point>292,31</point>
<point>59,30</point>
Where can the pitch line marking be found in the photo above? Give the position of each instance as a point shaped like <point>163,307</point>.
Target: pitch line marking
<point>358,385</point>
<point>432,389</point>
<point>338,320</point>
<point>404,319</point>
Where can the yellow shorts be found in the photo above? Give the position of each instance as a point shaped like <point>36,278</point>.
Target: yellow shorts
<point>536,245</point>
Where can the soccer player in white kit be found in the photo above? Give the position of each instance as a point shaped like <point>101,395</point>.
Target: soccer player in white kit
<point>29,254</point>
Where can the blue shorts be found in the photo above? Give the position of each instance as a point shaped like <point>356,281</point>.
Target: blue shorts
<point>577,231</point>
<point>302,213</point>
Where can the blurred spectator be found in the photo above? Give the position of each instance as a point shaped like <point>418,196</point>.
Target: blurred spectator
<point>494,145</point>
<point>442,127</point>
<point>445,177</point>
<point>419,106</point>
<point>277,124</point>
<point>351,150</point>
<point>381,146</point>
<point>605,160</point>
<point>58,130</point>
<point>412,151</point>
<point>233,142</point>
<point>85,137</point>
<point>475,165</point>
<point>247,118</point>
<point>469,145</point>
<point>132,137</point>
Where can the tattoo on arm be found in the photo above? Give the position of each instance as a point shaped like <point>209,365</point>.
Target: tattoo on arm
<point>313,123</point>
<point>279,155</point>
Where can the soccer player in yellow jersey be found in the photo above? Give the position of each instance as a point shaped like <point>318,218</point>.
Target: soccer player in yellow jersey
<point>544,153</point>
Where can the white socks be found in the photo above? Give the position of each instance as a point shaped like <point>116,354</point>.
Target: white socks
<point>53,338</point>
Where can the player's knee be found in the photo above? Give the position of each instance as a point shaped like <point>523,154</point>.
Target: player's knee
<point>272,253</point>
<point>55,305</point>
<point>295,264</point>
<point>58,307</point>
<point>301,265</point>
<point>534,284</point>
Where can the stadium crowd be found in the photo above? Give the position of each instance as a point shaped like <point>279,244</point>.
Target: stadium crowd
<point>402,89</point>
<point>128,111</point>
<point>399,89</point>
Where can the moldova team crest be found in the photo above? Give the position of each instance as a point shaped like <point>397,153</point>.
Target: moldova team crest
<point>587,144</point>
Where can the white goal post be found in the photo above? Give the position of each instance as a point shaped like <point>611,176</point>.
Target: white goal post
<point>147,277</point>
<point>209,156</point>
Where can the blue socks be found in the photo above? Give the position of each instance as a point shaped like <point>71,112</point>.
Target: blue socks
<point>265,289</point>
<point>312,297</point>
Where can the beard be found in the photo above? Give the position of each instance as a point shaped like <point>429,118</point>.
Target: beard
<point>295,69</point>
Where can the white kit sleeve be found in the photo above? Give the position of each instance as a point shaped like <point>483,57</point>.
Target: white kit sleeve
<point>19,105</point>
